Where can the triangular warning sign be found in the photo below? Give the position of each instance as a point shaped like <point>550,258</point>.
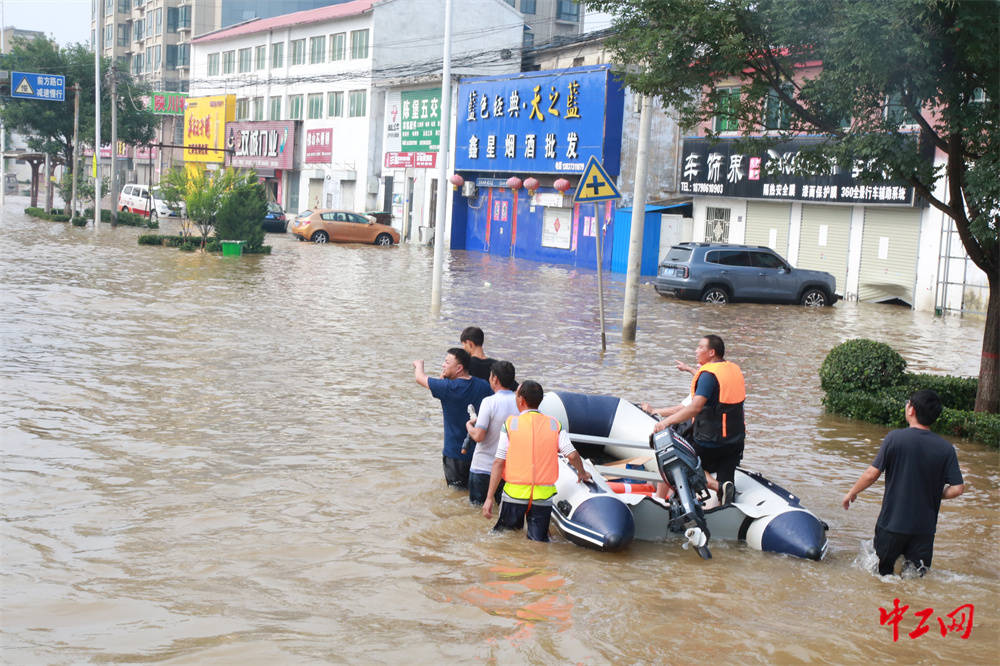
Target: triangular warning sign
<point>24,88</point>
<point>595,184</point>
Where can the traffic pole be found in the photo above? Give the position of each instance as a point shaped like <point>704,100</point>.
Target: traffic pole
<point>114,143</point>
<point>76,143</point>
<point>444,137</point>
<point>600,274</point>
<point>97,127</point>
<point>630,315</point>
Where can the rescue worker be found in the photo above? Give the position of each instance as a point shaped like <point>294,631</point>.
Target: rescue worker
<point>527,460</point>
<point>718,391</point>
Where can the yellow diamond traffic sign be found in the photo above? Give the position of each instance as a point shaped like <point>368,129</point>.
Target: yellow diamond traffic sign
<point>595,184</point>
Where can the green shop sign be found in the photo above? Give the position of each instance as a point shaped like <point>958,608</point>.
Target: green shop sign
<point>167,103</point>
<point>420,124</point>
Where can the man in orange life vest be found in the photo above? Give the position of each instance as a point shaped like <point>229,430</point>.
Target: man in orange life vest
<point>718,391</point>
<point>527,459</point>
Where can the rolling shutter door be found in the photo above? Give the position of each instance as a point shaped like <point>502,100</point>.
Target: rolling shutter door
<point>824,241</point>
<point>767,225</point>
<point>889,255</point>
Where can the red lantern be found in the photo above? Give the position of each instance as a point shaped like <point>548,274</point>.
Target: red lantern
<point>531,184</point>
<point>514,183</point>
<point>456,181</point>
<point>561,184</point>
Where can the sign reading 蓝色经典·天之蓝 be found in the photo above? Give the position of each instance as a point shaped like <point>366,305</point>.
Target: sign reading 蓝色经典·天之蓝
<point>540,122</point>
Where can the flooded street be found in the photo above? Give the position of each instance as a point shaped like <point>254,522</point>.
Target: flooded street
<point>227,460</point>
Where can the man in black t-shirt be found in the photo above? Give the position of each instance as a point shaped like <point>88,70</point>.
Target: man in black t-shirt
<point>472,341</point>
<point>921,469</point>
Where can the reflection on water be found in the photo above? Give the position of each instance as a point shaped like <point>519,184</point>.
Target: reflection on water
<point>211,459</point>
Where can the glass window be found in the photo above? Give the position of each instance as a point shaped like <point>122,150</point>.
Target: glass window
<point>213,64</point>
<point>278,54</point>
<point>679,253</point>
<point>728,257</point>
<point>242,108</point>
<point>123,7</point>
<point>338,44</point>
<point>359,44</point>
<point>157,56</point>
<point>136,68</point>
<point>766,260</point>
<point>725,120</point>
<point>297,51</point>
<point>568,10</point>
<point>275,109</point>
<point>356,103</point>
<point>260,57</point>
<point>123,34</point>
<point>158,17</point>
<point>172,19</point>
<point>109,35</point>
<point>776,114</point>
<point>335,104</point>
<point>527,6</point>
<point>315,106</point>
<point>184,16</point>
<point>148,22</point>
<point>228,62</point>
<point>258,108</point>
<point>528,40</point>
<point>895,112</point>
<point>244,59</point>
<point>295,107</point>
<point>317,50</point>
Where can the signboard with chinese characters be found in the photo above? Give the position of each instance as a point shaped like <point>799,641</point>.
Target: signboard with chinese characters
<point>205,121</point>
<point>267,144</point>
<point>319,145</point>
<point>556,225</point>
<point>411,160</point>
<point>167,103</point>
<point>721,169</point>
<point>29,85</point>
<point>540,122</point>
<point>420,121</point>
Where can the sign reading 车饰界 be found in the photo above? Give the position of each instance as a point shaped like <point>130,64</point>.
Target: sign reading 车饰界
<point>540,122</point>
<point>725,169</point>
<point>268,144</point>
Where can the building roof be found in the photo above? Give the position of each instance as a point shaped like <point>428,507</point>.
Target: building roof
<point>254,26</point>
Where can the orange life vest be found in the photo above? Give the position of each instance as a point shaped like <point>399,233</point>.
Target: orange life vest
<point>533,452</point>
<point>723,424</point>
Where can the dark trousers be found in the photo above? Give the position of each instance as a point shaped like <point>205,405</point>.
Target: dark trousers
<point>512,517</point>
<point>456,471</point>
<point>479,485</point>
<point>722,460</point>
<point>917,549</point>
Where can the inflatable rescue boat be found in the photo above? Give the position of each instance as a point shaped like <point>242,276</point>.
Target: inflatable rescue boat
<point>608,517</point>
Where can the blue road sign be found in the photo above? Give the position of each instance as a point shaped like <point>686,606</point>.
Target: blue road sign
<point>49,87</point>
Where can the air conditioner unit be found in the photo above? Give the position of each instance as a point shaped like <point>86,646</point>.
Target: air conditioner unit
<point>468,189</point>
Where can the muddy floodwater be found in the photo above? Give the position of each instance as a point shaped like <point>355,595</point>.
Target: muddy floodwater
<point>226,460</point>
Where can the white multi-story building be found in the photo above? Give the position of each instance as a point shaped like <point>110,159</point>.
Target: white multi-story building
<point>328,71</point>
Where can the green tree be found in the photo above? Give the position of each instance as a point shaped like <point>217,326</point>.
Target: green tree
<point>241,215</point>
<point>935,60</point>
<point>202,193</point>
<point>49,125</point>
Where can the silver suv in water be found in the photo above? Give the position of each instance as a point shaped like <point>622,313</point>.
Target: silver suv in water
<point>719,273</point>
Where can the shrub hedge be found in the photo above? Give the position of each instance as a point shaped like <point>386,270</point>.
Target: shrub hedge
<point>191,243</point>
<point>855,377</point>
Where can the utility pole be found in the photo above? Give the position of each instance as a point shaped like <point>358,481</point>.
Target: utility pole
<point>3,130</point>
<point>442,181</point>
<point>114,143</point>
<point>76,144</point>
<point>630,316</point>
<point>97,121</point>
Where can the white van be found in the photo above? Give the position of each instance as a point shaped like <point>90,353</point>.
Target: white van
<point>136,199</point>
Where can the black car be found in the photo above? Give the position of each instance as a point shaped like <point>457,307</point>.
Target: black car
<point>275,220</point>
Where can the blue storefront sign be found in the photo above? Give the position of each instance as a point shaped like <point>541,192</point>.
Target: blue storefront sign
<point>540,122</point>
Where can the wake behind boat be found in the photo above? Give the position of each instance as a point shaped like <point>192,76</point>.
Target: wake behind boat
<point>600,516</point>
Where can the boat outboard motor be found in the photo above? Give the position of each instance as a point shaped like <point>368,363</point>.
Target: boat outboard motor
<point>680,466</point>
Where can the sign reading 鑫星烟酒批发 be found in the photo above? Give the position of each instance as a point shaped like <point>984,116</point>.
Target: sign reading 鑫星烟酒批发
<point>540,122</point>
<point>724,169</point>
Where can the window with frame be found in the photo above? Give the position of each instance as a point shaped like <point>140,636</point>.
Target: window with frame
<point>528,40</point>
<point>295,107</point>
<point>123,31</point>
<point>228,62</point>
<point>766,260</point>
<point>258,108</point>
<point>184,16</point>
<point>335,104</point>
<point>359,44</point>
<point>717,224</point>
<point>528,6</point>
<point>213,64</point>
<point>725,110</point>
<point>895,111</point>
<point>172,19</point>
<point>338,46</point>
<point>136,66</point>
<point>567,10</point>
<point>123,6</point>
<point>278,55</point>
<point>275,111</point>
<point>158,19</point>
<point>242,108</point>
<point>317,50</point>
<point>297,51</point>
<point>148,22</point>
<point>260,57</point>
<point>109,35</point>
<point>776,112</point>
<point>728,257</point>
<point>157,56</point>
<point>244,60</point>
<point>314,106</point>
<point>356,103</point>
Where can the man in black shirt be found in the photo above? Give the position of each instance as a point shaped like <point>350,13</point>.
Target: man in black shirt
<point>472,341</point>
<point>920,469</point>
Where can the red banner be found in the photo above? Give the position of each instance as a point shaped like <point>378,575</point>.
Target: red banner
<point>319,146</point>
<point>411,160</point>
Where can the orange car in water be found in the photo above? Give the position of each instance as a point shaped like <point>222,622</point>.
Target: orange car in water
<point>341,226</point>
